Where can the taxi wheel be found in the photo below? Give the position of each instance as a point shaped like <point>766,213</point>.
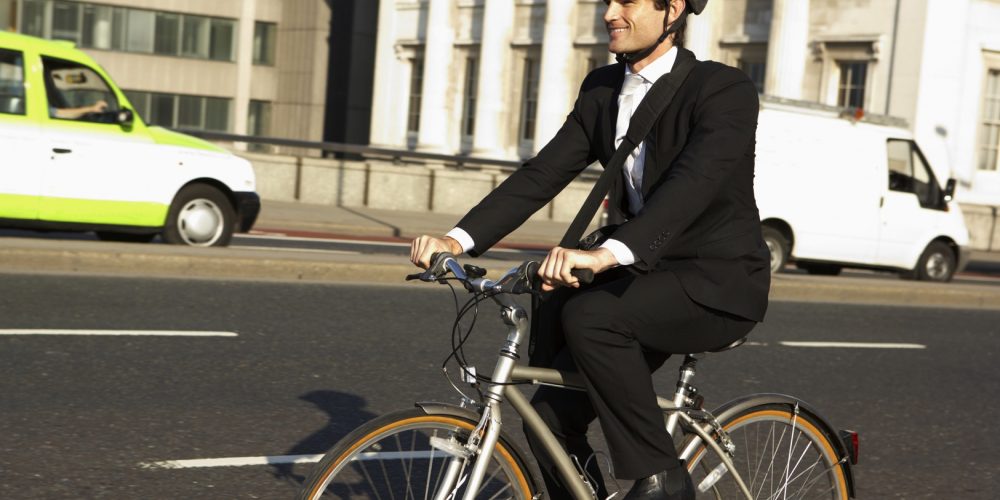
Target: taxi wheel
<point>200,216</point>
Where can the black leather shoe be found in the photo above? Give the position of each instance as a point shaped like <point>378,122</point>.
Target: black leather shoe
<point>674,484</point>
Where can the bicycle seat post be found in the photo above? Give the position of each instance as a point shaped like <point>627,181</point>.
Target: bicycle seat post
<point>684,389</point>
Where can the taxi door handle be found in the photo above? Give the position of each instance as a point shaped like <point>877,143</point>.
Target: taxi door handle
<point>61,150</point>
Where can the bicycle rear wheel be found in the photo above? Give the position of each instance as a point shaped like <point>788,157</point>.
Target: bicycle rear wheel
<point>391,457</point>
<point>779,455</point>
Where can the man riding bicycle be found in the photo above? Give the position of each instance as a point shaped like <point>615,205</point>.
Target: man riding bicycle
<point>686,272</point>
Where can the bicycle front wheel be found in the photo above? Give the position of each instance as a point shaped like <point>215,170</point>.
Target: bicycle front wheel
<point>779,455</point>
<point>403,455</point>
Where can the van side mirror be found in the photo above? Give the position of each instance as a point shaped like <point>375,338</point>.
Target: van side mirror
<point>125,117</point>
<point>949,190</point>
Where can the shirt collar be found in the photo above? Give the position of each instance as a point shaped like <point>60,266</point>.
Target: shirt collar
<point>658,67</point>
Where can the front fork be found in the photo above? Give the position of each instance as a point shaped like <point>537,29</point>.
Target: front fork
<point>484,438</point>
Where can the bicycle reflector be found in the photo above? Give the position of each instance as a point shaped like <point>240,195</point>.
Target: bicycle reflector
<point>850,438</point>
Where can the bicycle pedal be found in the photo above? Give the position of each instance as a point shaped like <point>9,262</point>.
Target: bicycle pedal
<point>451,446</point>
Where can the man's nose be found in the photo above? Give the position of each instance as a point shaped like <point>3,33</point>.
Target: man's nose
<point>611,12</point>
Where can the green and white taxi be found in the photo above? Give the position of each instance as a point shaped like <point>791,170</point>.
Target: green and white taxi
<point>74,156</point>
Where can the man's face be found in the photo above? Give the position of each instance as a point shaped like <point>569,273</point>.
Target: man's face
<point>633,24</point>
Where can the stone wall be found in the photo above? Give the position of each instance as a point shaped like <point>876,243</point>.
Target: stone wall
<point>384,184</point>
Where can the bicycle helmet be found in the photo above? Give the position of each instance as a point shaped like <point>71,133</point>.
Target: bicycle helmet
<point>691,6</point>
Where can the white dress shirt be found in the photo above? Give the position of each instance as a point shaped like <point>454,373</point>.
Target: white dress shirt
<point>632,94</point>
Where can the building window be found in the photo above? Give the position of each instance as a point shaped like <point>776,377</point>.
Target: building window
<point>259,123</point>
<point>11,82</point>
<point>182,111</point>
<point>168,30</point>
<point>264,38</point>
<point>131,30</point>
<point>755,70</point>
<point>97,27</point>
<point>66,21</point>
<point>469,109</point>
<point>222,41</point>
<point>416,84</point>
<point>990,134</point>
<point>851,90</point>
<point>8,15</point>
<point>529,99</point>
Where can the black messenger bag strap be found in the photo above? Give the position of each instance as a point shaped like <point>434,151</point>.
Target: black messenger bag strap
<point>651,107</point>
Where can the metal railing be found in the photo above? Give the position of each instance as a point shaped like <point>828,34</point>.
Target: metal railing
<point>395,155</point>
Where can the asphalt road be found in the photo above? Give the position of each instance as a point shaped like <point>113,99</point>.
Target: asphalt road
<point>80,415</point>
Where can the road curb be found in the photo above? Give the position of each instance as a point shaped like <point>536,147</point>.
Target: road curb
<point>162,261</point>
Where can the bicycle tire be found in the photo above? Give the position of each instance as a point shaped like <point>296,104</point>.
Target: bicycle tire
<point>406,463</point>
<point>772,457</point>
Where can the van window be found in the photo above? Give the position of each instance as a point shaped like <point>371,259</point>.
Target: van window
<point>11,82</point>
<point>77,92</point>
<point>910,173</point>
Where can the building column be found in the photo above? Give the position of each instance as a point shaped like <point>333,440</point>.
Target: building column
<point>492,94</point>
<point>244,67</point>
<point>387,91</point>
<point>556,85</point>
<point>701,37</point>
<point>438,50</point>
<point>787,48</point>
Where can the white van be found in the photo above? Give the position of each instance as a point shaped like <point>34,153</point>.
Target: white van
<point>74,156</point>
<point>834,192</point>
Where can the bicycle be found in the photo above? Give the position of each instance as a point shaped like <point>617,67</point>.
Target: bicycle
<point>756,446</point>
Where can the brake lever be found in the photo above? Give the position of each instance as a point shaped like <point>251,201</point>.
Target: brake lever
<point>436,271</point>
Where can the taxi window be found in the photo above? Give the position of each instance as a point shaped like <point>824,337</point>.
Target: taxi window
<point>77,92</point>
<point>11,82</point>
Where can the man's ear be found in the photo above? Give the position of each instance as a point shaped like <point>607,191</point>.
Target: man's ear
<point>676,7</point>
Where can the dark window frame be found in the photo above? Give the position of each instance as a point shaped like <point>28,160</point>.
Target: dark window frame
<point>17,59</point>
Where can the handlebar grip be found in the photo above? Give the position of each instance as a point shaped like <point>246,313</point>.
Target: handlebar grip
<point>586,276</point>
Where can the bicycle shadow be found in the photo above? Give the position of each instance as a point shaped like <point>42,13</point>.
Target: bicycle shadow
<point>345,413</point>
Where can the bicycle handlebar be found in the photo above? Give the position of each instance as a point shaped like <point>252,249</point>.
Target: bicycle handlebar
<point>518,280</point>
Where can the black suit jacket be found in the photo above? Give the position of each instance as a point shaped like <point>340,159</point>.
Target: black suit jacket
<point>699,218</point>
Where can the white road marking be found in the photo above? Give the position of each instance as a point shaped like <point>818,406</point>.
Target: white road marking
<point>853,345</point>
<point>283,459</point>
<point>140,333</point>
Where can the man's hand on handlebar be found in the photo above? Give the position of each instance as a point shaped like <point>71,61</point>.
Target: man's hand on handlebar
<point>422,248</point>
<point>556,269</point>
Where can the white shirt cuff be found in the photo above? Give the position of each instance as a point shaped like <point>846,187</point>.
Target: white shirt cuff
<point>622,254</point>
<point>458,234</point>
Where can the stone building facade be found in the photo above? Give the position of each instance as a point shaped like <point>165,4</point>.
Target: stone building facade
<point>495,78</point>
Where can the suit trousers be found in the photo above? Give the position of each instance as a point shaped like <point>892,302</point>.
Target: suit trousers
<point>618,331</point>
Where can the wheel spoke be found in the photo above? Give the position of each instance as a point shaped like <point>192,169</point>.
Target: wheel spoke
<point>430,467</point>
<point>771,467</point>
<point>368,477</point>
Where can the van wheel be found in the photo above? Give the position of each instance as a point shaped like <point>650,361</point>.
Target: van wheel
<point>937,263</point>
<point>778,245</point>
<point>200,216</point>
<point>819,268</point>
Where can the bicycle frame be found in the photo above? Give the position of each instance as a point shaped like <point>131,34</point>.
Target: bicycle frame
<point>507,370</point>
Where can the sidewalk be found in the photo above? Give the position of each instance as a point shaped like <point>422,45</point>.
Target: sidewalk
<point>32,254</point>
<point>311,220</point>
<point>324,220</point>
